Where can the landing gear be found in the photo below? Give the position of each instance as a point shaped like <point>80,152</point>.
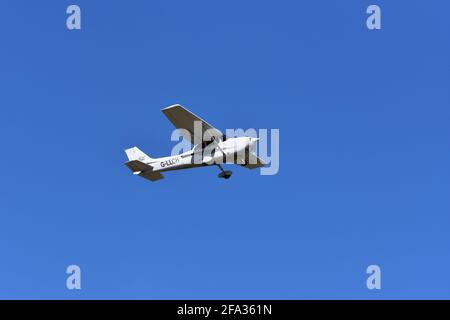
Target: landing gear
<point>224,174</point>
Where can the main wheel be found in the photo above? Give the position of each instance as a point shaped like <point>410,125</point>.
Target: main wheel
<point>225,174</point>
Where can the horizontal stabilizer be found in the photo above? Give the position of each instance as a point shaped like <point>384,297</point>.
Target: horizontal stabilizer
<point>143,170</point>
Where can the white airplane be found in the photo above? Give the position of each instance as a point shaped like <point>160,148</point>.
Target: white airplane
<point>211,147</point>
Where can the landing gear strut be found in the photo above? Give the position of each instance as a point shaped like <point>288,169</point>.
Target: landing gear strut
<point>224,174</point>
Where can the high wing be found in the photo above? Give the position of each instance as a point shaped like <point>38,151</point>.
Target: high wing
<point>253,162</point>
<point>144,170</point>
<point>184,119</point>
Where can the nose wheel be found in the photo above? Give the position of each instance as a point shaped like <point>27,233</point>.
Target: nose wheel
<point>225,174</point>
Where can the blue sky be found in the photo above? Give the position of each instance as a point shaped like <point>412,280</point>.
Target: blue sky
<point>364,149</point>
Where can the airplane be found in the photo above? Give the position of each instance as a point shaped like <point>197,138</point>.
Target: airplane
<point>211,147</point>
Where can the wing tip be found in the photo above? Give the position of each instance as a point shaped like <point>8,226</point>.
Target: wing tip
<point>176,105</point>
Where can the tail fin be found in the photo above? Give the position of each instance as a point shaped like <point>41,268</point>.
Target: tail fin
<point>136,154</point>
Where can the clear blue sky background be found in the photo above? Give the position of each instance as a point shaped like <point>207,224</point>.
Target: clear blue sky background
<point>364,125</point>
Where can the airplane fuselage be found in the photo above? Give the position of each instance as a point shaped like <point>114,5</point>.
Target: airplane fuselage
<point>232,150</point>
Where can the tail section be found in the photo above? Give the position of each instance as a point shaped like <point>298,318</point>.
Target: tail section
<point>139,164</point>
<point>136,154</point>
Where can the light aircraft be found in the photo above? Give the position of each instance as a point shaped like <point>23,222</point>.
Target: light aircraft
<point>211,147</point>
